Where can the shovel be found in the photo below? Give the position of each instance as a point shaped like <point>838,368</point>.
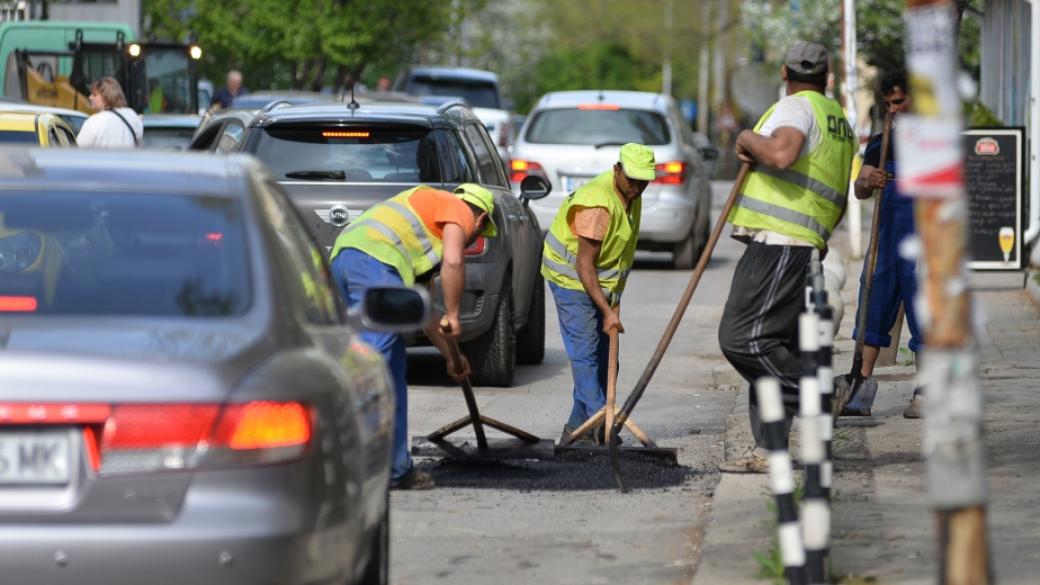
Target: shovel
<point>846,386</point>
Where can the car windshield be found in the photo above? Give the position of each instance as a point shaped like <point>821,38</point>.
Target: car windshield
<point>18,137</point>
<point>479,94</point>
<point>122,254</point>
<point>168,138</point>
<point>598,127</point>
<point>362,154</point>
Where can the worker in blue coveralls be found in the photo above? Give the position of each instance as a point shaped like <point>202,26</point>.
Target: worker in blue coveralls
<point>895,277</point>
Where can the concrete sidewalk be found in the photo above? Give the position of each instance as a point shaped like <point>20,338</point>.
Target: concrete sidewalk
<point>883,528</point>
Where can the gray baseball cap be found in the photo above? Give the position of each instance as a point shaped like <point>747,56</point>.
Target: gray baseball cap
<point>806,58</point>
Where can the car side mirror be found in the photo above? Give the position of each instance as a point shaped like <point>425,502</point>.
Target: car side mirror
<point>394,308</point>
<point>534,187</point>
<point>710,153</point>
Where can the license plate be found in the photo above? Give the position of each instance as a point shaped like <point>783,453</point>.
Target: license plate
<point>34,457</point>
<point>572,183</point>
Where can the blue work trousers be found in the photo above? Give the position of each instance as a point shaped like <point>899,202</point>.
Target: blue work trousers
<point>588,348</point>
<point>895,277</point>
<point>354,272</point>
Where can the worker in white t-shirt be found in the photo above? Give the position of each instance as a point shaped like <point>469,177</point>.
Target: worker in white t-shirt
<point>114,125</point>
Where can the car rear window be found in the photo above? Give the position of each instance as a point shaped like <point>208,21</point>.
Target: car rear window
<point>89,253</point>
<point>478,94</point>
<point>168,138</point>
<point>18,137</point>
<point>364,154</point>
<point>598,127</point>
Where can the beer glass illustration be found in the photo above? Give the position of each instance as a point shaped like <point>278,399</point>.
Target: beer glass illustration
<point>1007,242</point>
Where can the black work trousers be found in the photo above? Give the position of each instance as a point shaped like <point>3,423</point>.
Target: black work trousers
<point>759,329</point>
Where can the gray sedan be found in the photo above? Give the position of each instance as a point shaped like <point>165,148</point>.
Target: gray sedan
<point>182,398</point>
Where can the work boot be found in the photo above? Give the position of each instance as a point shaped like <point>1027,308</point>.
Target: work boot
<point>568,430</point>
<point>916,408</point>
<point>841,395</point>
<point>754,462</point>
<point>863,401</point>
<point>413,480</point>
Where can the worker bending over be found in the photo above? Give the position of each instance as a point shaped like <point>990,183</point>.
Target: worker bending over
<point>396,243</point>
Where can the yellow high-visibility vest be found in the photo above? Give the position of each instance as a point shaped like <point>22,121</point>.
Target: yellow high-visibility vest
<point>806,200</point>
<point>616,256</point>
<point>393,233</point>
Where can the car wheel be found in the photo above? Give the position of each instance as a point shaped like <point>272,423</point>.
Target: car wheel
<point>492,356</point>
<point>377,571</point>
<point>530,340</point>
<point>684,255</point>
<point>702,226</point>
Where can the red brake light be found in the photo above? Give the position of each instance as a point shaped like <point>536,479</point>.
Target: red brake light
<point>519,169</point>
<point>599,107</point>
<point>148,426</point>
<point>214,236</point>
<point>476,248</point>
<point>346,133</point>
<point>671,173</point>
<point>18,304</point>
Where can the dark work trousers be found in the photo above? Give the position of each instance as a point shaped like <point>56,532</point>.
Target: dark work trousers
<point>759,329</point>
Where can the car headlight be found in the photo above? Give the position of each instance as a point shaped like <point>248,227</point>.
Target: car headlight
<point>19,251</point>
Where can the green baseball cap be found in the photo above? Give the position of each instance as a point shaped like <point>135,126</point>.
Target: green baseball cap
<point>481,198</point>
<point>637,161</point>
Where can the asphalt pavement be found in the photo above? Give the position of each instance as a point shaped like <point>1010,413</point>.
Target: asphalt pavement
<point>563,521</point>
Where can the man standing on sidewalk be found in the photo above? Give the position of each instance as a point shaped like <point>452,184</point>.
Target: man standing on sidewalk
<point>588,253</point>
<point>895,278</point>
<point>802,150</point>
<point>395,243</point>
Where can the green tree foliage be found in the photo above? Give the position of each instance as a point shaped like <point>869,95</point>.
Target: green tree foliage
<point>304,44</point>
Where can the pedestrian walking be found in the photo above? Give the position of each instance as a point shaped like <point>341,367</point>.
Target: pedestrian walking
<point>114,125</point>
<point>587,256</point>
<point>791,202</point>
<point>401,242</point>
<point>895,277</point>
<point>225,96</point>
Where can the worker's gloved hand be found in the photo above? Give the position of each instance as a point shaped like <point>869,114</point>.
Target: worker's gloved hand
<point>611,321</point>
<point>454,371</point>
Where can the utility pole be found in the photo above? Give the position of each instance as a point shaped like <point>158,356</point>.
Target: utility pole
<point>703,74</point>
<point>953,443</point>
<point>851,86</point>
<point>666,69</point>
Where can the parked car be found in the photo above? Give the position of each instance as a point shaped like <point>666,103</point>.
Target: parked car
<point>255,101</point>
<point>181,394</point>
<point>337,161</point>
<point>74,118</point>
<point>169,131</point>
<point>480,90</point>
<point>572,136</point>
<point>35,129</point>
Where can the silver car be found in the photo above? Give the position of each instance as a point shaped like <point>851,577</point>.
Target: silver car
<point>572,136</point>
<point>182,400</point>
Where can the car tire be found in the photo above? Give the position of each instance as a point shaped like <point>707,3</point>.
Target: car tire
<point>684,254</point>
<point>492,356</point>
<point>702,226</point>
<point>377,570</point>
<point>530,340</point>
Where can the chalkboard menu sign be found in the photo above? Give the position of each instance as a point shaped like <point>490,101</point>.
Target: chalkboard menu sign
<point>994,178</point>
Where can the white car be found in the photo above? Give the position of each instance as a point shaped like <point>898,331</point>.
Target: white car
<point>572,136</point>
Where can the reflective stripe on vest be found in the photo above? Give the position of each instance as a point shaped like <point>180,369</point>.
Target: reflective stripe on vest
<point>795,217</point>
<point>569,269</point>
<point>413,221</point>
<point>803,180</point>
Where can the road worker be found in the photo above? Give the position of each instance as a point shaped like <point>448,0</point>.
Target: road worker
<point>586,259</point>
<point>792,200</point>
<point>400,242</point>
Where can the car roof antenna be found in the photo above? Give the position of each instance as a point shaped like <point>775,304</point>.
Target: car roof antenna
<point>353,105</point>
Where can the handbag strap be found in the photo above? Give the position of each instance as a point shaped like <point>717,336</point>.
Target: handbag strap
<point>137,141</point>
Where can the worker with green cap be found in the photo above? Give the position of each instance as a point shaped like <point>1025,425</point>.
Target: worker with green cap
<point>399,242</point>
<point>586,259</point>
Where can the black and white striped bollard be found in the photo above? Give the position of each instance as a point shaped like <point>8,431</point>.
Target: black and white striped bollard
<point>781,479</point>
<point>815,510</point>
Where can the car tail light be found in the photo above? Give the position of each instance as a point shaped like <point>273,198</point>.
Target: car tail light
<point>599,106</point>
<point>19,304</point>
<point>137,438</point>
<point>521,168</point>
<point>671,173</point>
<point>478,247</point>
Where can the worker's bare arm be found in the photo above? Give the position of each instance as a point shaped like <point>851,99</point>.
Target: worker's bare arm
<point>780,150</point>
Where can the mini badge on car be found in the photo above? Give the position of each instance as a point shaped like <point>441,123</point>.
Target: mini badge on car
<point>337,215</point>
